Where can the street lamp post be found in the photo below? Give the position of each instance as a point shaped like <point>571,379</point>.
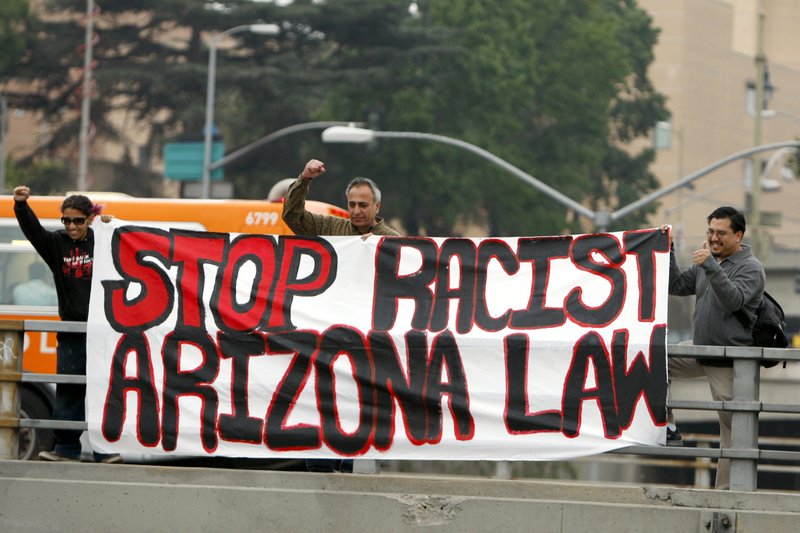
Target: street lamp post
<point>769,184</point>
<point>601,219</point>
<point>756,237</point>
<point>770,113</point>
<point>270,137</point>
<point>345,134</point>
<point>263,29</point>
<point>3,135</point>
<point>86,98</point>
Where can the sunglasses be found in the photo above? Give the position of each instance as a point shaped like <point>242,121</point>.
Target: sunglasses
<point>78,221</point>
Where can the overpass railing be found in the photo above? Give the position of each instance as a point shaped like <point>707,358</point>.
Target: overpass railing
<point>744,452</point>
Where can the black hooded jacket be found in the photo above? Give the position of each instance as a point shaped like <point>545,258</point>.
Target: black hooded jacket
<point>70,261</point>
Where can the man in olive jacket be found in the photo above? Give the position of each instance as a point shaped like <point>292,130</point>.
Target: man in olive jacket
<point>363,204</point>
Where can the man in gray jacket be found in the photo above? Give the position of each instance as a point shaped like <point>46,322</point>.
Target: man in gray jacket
<point>725,278</point>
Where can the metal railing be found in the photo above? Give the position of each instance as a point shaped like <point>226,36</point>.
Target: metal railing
<point>744,452</point>
<point>745,406</point>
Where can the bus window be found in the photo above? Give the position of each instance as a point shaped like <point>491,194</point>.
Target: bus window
<point>10,230</point>
<point>17,263</point>
<point>15,266</point>
<point>37,289</point>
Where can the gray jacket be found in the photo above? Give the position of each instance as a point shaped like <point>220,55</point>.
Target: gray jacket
<point>737,282</point>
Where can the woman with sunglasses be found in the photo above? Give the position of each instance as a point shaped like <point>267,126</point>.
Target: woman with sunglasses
<point>69,254</point>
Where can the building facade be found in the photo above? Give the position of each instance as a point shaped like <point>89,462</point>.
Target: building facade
<point>705,60</point>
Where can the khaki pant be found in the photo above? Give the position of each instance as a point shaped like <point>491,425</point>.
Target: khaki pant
<point>720,379</point>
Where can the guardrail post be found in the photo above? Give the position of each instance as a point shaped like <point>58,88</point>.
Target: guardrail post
<point>11,342</point>
<point>744,422</point>
<point>366,466</point>
<point>702,472</point>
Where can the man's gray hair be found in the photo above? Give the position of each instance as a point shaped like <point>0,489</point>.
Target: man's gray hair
<point>376,192</point>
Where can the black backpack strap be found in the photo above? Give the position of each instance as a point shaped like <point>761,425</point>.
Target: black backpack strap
<point>741,316</point>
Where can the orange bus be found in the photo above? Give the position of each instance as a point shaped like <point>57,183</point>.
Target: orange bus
<point>230,216</point>
<point>17,256</point>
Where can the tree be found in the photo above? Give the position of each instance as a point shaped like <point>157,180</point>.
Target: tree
<point>12,45</point>
<point>557,88</point>
<point>333,51</point>
<point>151,60</point>
<point>149,74</point>
<point>44,178</point>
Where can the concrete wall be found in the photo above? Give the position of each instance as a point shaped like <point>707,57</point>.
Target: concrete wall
<point>38,496</point>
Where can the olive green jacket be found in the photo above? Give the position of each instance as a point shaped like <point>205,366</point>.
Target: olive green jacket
<point>302,222</point>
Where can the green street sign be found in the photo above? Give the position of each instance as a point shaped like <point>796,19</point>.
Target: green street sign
<point>184,160</point>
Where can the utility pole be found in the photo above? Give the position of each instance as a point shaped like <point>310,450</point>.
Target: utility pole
<point>83,139</point>
<point>757,237</point>
<point>3,135</point>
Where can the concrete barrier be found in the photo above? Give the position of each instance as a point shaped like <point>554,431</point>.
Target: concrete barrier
<point>68,497</point>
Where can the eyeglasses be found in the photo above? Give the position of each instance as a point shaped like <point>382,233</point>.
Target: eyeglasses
<point>78,221</point>
<point>720,234</point>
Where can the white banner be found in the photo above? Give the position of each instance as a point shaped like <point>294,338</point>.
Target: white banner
<point>535,348</point>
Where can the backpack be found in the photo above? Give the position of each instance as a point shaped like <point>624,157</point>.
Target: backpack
<point>769,328</point>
